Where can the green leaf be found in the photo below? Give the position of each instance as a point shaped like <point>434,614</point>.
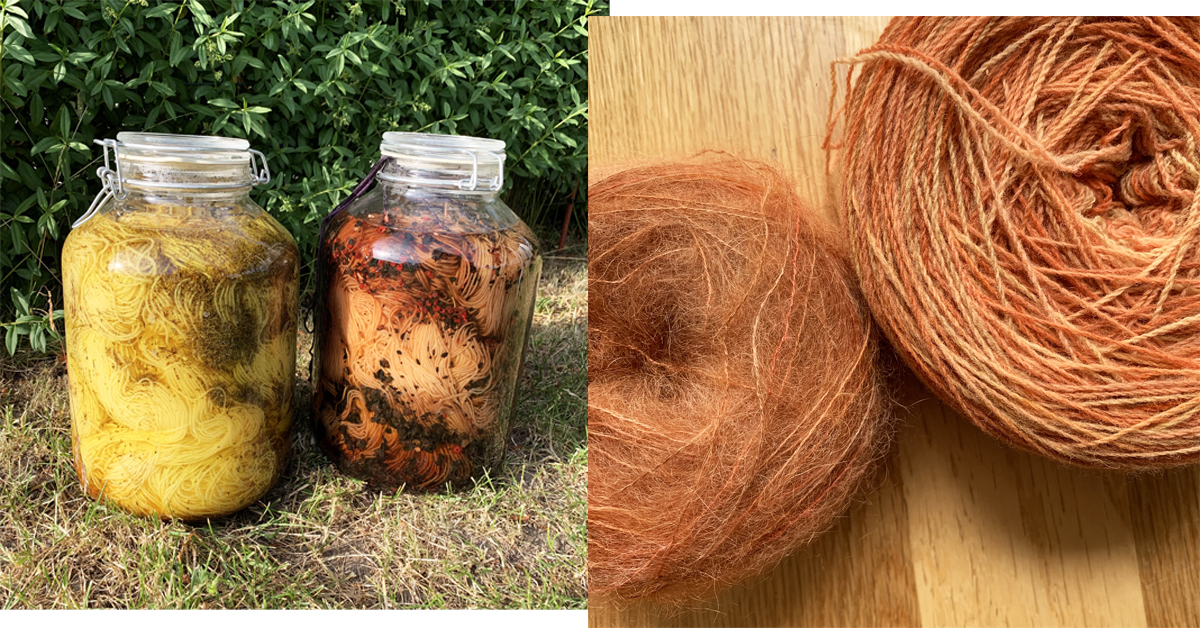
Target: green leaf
<point>44,145</point>
<point>197,10</point>
<point>162,88</point>
<point>37,339</point>
<point>223,102</point>
<point>18,53</point>
<point>19,300</point>
<point>178,52</point>
<point>63,122</point>
<point>36,109</point>
<point>26,204</point>
<point>161,11</point>
<point>47,55</point>
<point>18,24</point>
<point>15,85</point>
<point>10,340</point>
<point>80,58</point>
<point>46,224</point>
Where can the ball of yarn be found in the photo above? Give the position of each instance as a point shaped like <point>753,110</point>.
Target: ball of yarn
<point>1021,194</point>
<point>734,395</point>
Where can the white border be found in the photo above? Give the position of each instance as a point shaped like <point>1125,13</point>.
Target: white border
<point>302,619</point>
<point>876,7</point>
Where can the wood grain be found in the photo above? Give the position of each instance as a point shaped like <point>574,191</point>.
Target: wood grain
<point>754,87</point>
<point>962,530</point>
<point>1165,511</point>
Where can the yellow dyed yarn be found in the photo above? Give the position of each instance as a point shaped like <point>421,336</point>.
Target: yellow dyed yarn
<point>181,350</point>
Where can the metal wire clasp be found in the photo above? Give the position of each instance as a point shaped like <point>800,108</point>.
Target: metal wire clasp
<point>106,173</point>
<point>495,184</point>
<point>114,185</point>
<point>262,177</point>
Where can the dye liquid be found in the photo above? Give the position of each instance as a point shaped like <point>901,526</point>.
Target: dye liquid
<point>181,349</point>
<point>425,310</point>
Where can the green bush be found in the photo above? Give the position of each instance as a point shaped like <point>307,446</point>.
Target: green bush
<point>312,83</point>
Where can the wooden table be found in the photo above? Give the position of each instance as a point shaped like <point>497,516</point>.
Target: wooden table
<point>963,531</point>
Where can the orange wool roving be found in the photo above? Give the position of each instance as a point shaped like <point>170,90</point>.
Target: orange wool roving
<point>1022,200</point>
<point>735,403</point>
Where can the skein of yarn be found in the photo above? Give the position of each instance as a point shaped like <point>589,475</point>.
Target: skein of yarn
<point>1022,198</point>
<point>735,402</point>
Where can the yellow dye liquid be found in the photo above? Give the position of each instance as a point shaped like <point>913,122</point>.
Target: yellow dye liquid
<point>181,351</point>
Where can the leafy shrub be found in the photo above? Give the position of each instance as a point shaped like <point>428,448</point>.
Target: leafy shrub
<point>311,83</point>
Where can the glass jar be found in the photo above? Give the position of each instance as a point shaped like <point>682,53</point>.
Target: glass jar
<point>425,297</point>
<point>181,308</point>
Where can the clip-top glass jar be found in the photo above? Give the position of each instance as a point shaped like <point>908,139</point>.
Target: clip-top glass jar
<point>181,309</point>
<point>425,297</point>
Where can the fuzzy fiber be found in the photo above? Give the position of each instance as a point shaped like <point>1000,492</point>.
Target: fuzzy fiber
<point>735,402</point>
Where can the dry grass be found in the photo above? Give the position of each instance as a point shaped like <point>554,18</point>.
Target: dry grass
<point>518,540</point>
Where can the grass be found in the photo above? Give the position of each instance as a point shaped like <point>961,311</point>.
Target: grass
<point>318,539</point>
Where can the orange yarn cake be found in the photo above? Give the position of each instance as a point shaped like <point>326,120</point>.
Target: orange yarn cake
<point>1021,194</point>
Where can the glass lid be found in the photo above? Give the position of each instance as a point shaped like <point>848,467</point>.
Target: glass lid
<point>192,149</point>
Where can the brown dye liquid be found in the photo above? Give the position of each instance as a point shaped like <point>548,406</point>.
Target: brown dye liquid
<point>422,338</point>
